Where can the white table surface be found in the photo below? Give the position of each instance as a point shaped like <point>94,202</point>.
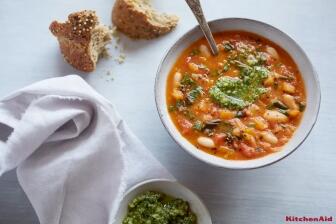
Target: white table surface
<point>302,184</point>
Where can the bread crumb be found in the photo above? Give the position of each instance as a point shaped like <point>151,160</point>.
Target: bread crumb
<point>121,58</point>
<point>118,54</point>
<point>107,76</point>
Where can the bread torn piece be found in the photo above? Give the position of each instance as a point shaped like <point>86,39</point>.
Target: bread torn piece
<point>137,19</point>
<point>82,39</point>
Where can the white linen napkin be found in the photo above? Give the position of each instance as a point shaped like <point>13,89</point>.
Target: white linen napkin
<point>75,156</point>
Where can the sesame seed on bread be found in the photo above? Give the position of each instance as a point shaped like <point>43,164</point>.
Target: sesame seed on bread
<point>82,40</point>
<point>137,19</point>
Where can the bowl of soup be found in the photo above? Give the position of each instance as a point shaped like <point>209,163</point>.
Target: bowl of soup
<point>249,106</point>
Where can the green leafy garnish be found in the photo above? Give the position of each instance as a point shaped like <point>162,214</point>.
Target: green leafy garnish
<point>194,52</point>
<point>228,46</point>
<point>285,112</point>
<point>198,125</point>
<point>237,93</point>
<point>187,80</point>
<point>189,115</point>
<point>277,104</point>
<point>158,208</point>
<point>194,93</point>
<point>179,104</point>
<point>226,67</point>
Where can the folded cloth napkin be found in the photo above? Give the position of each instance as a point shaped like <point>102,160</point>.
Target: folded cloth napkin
<point>75,156</point>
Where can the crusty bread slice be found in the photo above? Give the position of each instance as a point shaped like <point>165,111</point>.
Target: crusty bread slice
<point>82,40</point>
<point>137,19</point>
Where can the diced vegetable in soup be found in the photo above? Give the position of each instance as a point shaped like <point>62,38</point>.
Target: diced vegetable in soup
<point>242,104</point>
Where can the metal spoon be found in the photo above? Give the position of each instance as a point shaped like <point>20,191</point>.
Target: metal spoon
<point>196,8</point>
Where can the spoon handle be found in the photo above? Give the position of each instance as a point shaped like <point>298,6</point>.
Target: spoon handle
<point>196,8</point>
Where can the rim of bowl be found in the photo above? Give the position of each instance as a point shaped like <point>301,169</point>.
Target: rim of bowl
<point>223,165</point>
<point>199,201</point>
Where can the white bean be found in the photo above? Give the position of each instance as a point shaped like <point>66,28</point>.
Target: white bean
<point>206,142</point>
<point>289,101</point>
<point>177,94</point>
<point>193,67</point>
<point>269,137</point>
<point>238,123</point>
<point>260,123</point>
<point>204,51</point>
<point>271,51</point>
<point>275,74</point>
<point>288,88</point>
<point>275,116</point>
<point>196,76</point>
<point>177,79</point>
<point>252,110</point>
<point>251,140</point>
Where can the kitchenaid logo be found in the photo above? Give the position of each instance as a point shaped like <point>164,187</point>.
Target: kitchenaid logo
<point>309,219</point>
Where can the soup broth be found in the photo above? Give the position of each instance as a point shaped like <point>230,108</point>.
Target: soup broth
<point>242,104</point>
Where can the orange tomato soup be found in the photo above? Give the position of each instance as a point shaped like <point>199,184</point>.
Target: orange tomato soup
<point>242,104</point>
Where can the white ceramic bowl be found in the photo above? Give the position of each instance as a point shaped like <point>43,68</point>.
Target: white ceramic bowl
<point>280,38</point>
<point>168,187</point>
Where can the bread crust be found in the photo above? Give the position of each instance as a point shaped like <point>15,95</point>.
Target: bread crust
<point>74,38</point>
<point>136,24</point>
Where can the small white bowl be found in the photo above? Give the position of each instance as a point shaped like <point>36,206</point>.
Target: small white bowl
<point>280,38</point>
<point>168,187</point>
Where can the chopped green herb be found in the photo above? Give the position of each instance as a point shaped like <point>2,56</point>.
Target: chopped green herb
<point>261,57</point>
<point>251,60</point>
<point>226,67</point>
<point>277,104</point>
<point>188,114</point>
<point>194,52</point>
<point>193,94</point>
<point>285,112</point>
<point>242,65</point>
<point>179,104</point>
<point>187,80</point>
<point>198,125</point>
<point>224,99</point>
<point>235,93</point>
<point>228,46</point>
<point>158,208</point>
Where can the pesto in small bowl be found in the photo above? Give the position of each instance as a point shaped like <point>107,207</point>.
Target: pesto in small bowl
<point>158,208</point>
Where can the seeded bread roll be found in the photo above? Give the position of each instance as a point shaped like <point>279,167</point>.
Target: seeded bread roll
<point>137,19</point>
<point>82,40</point>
